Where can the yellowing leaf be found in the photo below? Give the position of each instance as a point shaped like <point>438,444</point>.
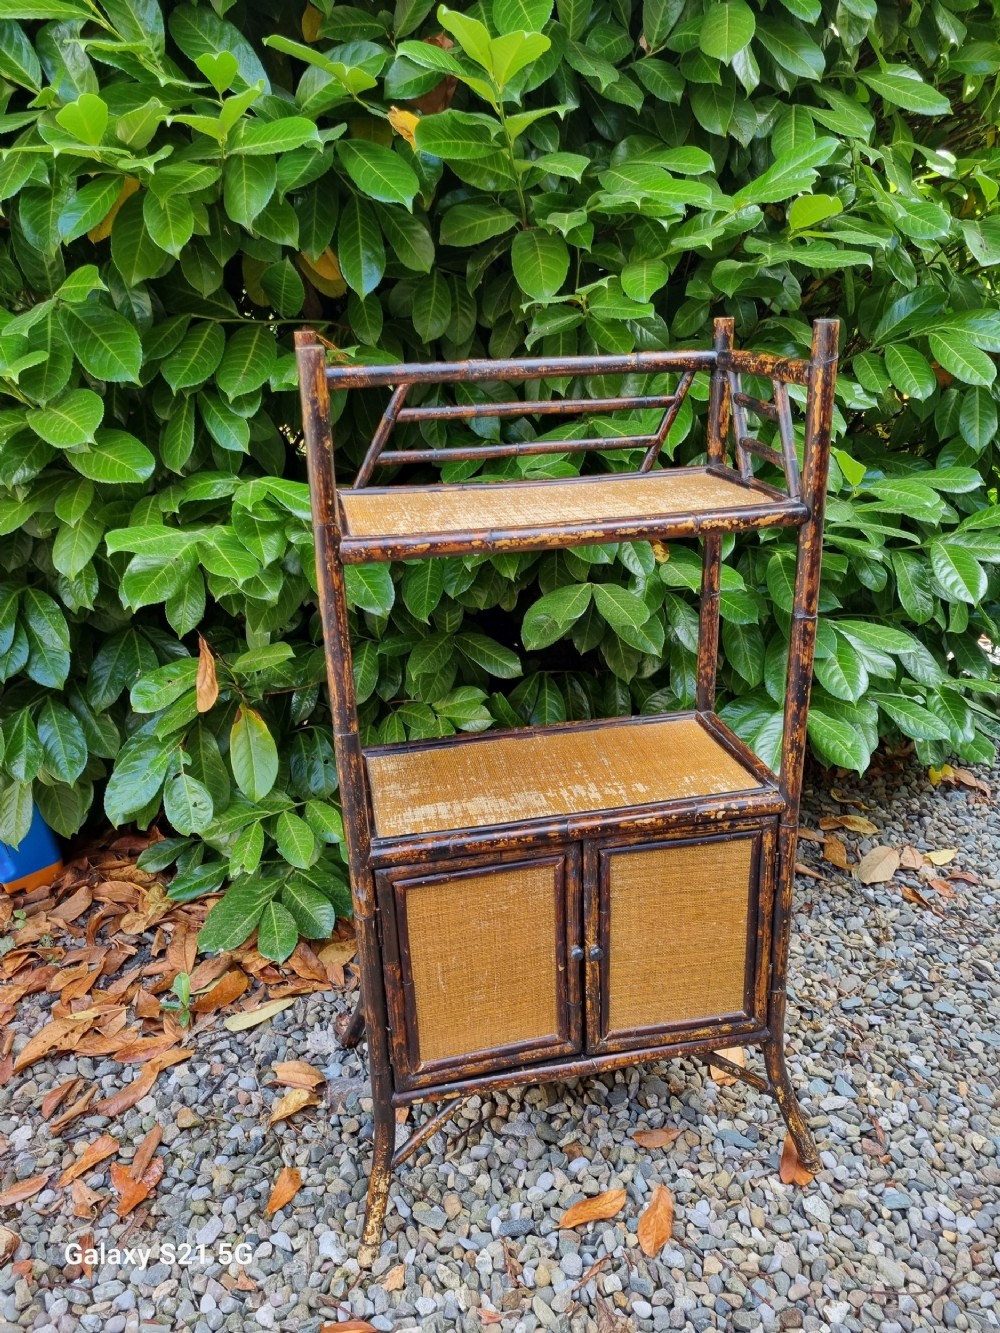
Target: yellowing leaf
<point>251,1017</point>
<point>324,273</point>
<point>311,19</point>
<point>405,124</point>
<point>944,856</point>
<point>657,1222</point>
<point>206,684</point>
<point>294,1100</point>
<point>858,824</point>
<point>835,852</point>
<point>103,228</point>
<point>878,866</point>
<point>597,1209</point>
<point>937,775</point>
<point>655,1138</point>
<point>298,1074</point>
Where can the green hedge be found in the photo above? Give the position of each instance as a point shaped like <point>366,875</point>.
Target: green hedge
<point>183,185</point>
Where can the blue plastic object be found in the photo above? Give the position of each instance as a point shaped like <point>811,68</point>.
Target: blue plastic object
<point>35,861</point>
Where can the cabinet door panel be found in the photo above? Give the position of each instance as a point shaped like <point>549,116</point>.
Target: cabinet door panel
<point>681,942</point>
<point>477,973</point>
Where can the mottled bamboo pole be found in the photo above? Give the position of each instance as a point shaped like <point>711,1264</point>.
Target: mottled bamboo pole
<point>717,432</point>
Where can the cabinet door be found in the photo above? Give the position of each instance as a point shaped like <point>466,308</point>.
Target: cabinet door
<point>678,934</point>
<point>478,975</point>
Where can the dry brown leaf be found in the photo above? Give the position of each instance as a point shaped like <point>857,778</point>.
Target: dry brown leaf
<point>656,1225</point>
<point>655,1138</point>
<point>298,1074</point>
<point>910,859</point>
<point>85,1200</point>
<point>802,869</point>
<point>95,1152</point>
<point>60,1034</point>
<point>140,1050</point>
<point>944,856</point>
<point>858,824</point>
<point>140,1087</point>
<point>878,866</point>
<point>251,1017</point>
<point>293,1100</point>
<point>132,1191</point>
<point>791,1171</point>
<point>914,896</point>
<point>843,799</point>
<point>144,1152</point>
<point>351,1326</point>
<point>206,687</point>
<point>736,1056</point>
<point>9,1241</point>
<point>77,1108</point>
<point>75,906</point>
<point>286,1187</point>
<point>942,887</point>
<point>54,1099</point>
<point>596,1209</point>
<point>23,1189</point>
<point>489,1316</point>
<point>835,852</point>
<point>395,1279</point>
<point>226,991</point>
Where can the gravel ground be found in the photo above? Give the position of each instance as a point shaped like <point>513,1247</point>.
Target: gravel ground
<point>894,1042</point>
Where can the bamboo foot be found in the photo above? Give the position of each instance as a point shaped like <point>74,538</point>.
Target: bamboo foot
<point>788,1104</point>
<point>355,1028</point>
<point>378,1185</point>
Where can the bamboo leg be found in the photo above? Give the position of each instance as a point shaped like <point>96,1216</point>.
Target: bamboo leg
<point>379,1178</point>
<point>355,1028</point>
<point>788,1104</point>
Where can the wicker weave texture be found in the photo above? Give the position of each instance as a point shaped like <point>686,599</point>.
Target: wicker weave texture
<point>483,960</point>
<point>678,933</point>
<point>513,777</point>
<point>437,510</point>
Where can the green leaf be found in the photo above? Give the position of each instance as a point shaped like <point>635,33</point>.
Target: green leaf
<point>743,647</point>
<point>86,118</point>
<point>959,355</point>
<point>791,48</point>
<point>422,587</point>
<point>910,371</point>
<point>313,912</point>
<point>913,719</point>
<point>169,220</point>
<point>554,614</point>
<point>105,344</point>
<point>958,572</point>
<point>836,741</point>
<point>726,29</point>
<point>265,137</point>
<point>359,246</point>
<point>471,224</point>
<point>277,932</point>
<point>23,755</point>
<point>161,687</point>
<point>296,840</point>
<point>70,421</point>
<point>248,184</point>
<point>115,457</point>
<point>541,262</point>
<point>325,821</point>
<point>902,86</point>
<point>253,754</point>
<point>521,15</point>
<point>187,804</point>
<point>196,358</point>
<point>370,587</point>
<point>378,172</point>
<point>490,655</point>
<point>913,585</point>
<point>74,546</point>
<point>16,812</point>
<point>843,673</point>
<point>236,914</point>
<point>138,775</point>
<point>792,173</point>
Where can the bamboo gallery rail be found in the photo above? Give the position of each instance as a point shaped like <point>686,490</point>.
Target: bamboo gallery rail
<point>551,902</point>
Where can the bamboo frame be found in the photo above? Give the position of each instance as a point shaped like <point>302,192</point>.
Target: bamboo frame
<point>384,869</point>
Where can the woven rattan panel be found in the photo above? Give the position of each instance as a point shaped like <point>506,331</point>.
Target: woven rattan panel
<point>482,954</point>
<point>533,775</point>
<point>432,511</point>
<point>678,933</point>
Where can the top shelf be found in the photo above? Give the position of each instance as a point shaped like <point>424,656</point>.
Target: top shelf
<point>398,523</point>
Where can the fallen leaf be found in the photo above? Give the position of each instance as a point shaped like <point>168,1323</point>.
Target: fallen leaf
<point>60,1034</point>
<point>835,852</point>
<point>23,1189</point>
<point>132,1191</point>
<point>294,1100</point>
<point>878,866</point>
<point>791,1171</point>
<point>596,1209</point>
<point>404,123</point>
<point>9,1241</point>
<point>655,1138</point>
<point>54,1099</point>
<point>140,1087</point>
<point>95,1152</point>
<point>74,906</point>
<point>802,869</point>
<point>910,859</point>
<point>77,1108</point>
<point>489,1316</point>
<point>942,887</point>
<point>844,799</point>
<point>206,686</point>
<point>251,1017</point>
<point>942,857</point>
<point>298,1074</point>
<point>656,1225</point>
<point>140,1050</point>
<point>858,824</point>
<point>736,1056</point>
<point>85,1200</point>
<point>938,775</point>
<point>914,896</point>
<point>351,1326</point>
<point>286,1187</point>
<point>963,876</point>
<point>146,1149</point>
<point>395,1279</point>
<point>226,991</point>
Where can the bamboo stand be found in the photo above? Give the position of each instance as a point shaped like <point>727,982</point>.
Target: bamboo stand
<point>550,902</point>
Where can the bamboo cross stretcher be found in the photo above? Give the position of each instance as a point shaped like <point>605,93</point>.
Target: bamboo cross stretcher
<point>551,902</point>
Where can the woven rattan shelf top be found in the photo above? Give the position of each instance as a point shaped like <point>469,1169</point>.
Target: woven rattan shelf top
<point>537,773</point>
<point>394,522</point>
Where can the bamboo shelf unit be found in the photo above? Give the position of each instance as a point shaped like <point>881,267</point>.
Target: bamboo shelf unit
<point>549,902</point>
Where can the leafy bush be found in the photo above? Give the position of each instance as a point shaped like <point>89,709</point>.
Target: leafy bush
<point>183,185</point>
